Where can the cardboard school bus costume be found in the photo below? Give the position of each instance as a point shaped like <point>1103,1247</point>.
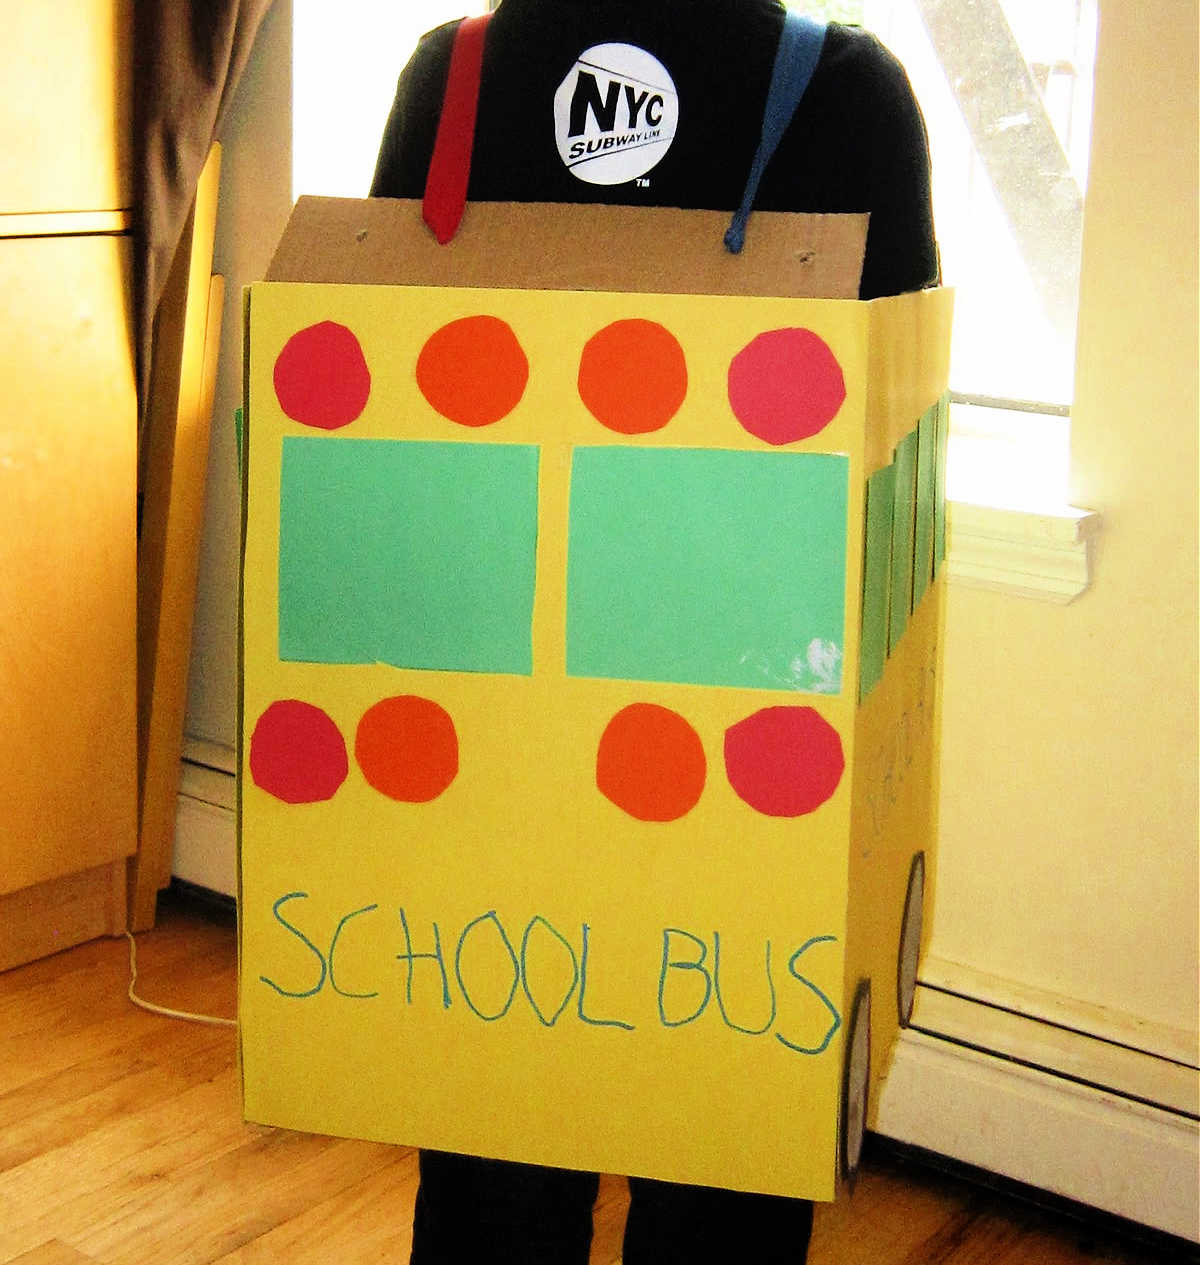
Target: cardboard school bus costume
<point>591,606</point>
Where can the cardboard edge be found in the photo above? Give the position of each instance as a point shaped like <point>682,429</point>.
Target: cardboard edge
<point>239,743</point>
<point>384,241</point>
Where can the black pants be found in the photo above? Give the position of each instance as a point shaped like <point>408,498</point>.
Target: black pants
<point>471,1210</point>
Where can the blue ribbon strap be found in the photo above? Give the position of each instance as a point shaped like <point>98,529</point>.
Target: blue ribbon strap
<point>795,60</point>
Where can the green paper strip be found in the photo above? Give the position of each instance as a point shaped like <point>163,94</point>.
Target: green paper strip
<point>903,518</point>
<point>939,505</point>
<point>708,567</point>
<point>420,555</point>
<point>877,578</point>
<point>925,504</point>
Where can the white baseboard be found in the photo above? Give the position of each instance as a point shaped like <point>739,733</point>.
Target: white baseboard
<point>1099,1119</point>
<point>205,829</point>
<point>1095,1147</point>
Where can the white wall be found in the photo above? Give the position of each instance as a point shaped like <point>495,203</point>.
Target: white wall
<point>1069,770</point>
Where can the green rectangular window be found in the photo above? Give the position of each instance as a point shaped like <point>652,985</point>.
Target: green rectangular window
<point>708,567</point>
<point>420,555</point>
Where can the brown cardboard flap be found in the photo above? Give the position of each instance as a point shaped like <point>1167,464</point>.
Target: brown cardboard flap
<point>550,246</point>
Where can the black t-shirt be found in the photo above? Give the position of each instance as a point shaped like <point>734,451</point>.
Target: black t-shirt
<point>675,90</point>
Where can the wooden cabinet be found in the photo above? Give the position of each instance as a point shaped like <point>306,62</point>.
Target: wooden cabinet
<point>68,434</point>
<point>65,134</point>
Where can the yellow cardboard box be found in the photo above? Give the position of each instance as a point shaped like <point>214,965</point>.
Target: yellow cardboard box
<point>591,608</point>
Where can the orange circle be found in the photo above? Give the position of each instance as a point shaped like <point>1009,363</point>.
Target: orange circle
<point>633,376</point>
<point>650,763</point>
<point>407,748</point>
<point>473,370</point>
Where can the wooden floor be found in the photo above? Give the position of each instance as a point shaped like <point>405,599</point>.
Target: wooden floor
<point>121,1142</point>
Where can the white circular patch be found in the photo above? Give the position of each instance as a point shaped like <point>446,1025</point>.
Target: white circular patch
<point>615,114</point>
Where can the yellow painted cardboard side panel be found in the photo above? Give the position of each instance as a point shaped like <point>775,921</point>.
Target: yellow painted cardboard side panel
<point>896,728</point>
<point>517,967</point>
<point>894,818</point>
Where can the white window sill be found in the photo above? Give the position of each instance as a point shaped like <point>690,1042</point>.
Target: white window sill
<point>1045,555</point>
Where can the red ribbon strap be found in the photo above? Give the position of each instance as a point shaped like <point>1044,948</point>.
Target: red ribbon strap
<point>450,166</point>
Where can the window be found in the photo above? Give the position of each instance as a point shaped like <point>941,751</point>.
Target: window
<point>1005,86</point>
<point>345,61</point>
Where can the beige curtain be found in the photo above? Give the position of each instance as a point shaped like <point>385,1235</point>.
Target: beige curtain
<point>188,58</point>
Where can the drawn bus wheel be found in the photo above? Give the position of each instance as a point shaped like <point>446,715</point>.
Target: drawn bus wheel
<point>910,940</point>
<point>856,1080</point>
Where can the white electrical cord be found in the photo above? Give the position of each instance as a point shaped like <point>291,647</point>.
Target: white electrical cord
<point>166,1010</point>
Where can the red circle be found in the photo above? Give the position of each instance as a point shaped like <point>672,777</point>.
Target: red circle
<point>650,762</point>
<point>633,376</point>
<point>473,371</point>
<point>321,376</point>
<point>297,753</point>
<point>786,385</point>
<point>784,761</point>
<point>407,748</point>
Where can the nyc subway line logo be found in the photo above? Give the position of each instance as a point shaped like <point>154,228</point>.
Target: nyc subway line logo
<point>615,114</point>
